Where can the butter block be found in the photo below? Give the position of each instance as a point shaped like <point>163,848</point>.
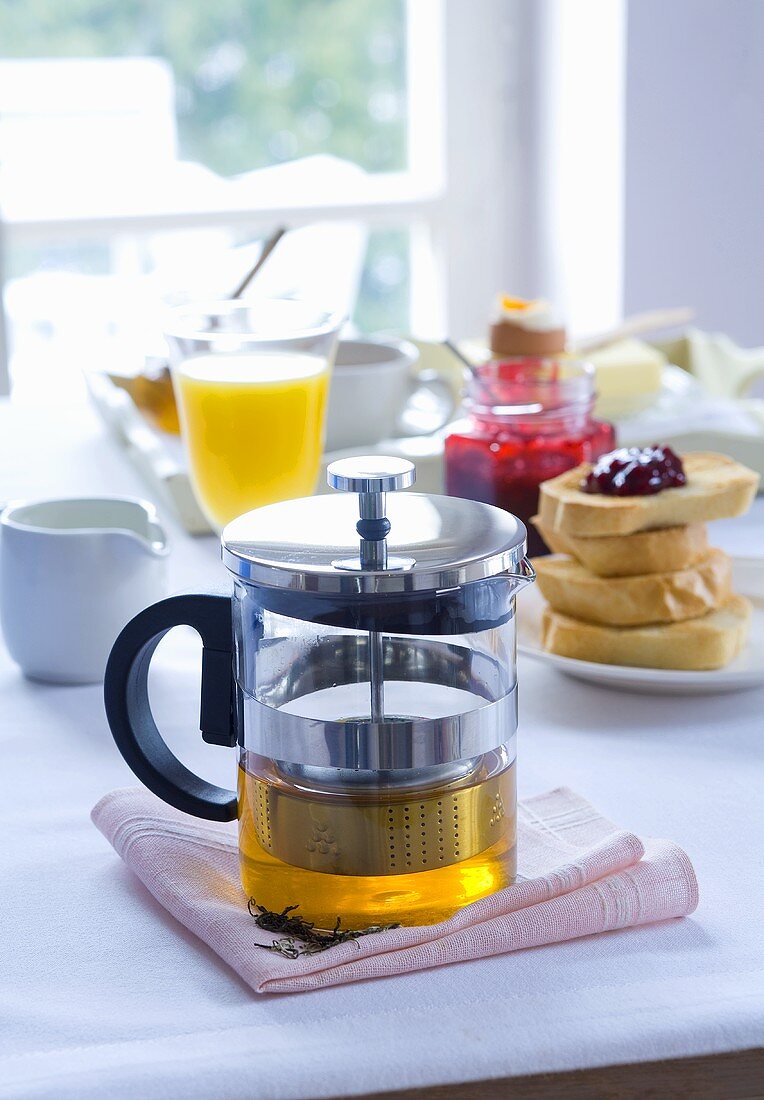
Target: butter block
<point>628,376</point>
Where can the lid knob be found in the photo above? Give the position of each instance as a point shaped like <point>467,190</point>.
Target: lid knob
<point>372,476</point>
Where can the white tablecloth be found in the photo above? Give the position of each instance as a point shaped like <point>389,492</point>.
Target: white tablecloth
<point>103,994</point>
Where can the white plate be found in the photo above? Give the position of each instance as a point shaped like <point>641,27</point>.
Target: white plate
<point>745,672</point>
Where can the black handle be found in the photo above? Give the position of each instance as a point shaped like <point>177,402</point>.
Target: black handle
<point>127,701</point>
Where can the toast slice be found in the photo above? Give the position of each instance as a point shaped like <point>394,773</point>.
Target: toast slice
<point>635,601</point>
<point>631,555</point>
<point>696,645</point>
<point>717,488</point>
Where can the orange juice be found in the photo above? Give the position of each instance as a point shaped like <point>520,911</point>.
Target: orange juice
<point>253,425</point>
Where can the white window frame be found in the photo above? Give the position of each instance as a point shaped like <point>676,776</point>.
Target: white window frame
<point>494,87</point>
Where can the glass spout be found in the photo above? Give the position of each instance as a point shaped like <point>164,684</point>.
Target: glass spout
<point>525,575</point>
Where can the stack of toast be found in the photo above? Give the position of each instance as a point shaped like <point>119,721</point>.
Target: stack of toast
<point>638,583</point>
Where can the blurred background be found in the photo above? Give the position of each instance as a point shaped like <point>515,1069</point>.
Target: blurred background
<point>603,153</point>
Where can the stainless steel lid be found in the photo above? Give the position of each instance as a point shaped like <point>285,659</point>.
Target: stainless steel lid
<point>409,542</point>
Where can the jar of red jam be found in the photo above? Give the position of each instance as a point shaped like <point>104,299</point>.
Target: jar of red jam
<point>528,420</point>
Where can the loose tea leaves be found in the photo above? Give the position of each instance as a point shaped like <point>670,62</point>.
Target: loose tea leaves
<point>311,939</point>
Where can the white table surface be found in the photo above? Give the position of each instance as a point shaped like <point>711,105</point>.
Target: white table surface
<point>103,994</point>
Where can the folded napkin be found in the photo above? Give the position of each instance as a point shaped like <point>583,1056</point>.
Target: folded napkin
<point>579,875</point>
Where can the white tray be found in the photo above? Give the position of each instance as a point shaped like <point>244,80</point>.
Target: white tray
<point>160,458</point>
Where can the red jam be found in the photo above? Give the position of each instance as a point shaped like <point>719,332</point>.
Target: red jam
<point>529,420</point>
<point>631,472</point>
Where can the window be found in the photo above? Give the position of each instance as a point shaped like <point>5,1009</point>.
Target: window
<point>145,149</point>
<point>131,137</point>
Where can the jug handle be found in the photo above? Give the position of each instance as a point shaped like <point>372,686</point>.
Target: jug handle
<point>129,712</point>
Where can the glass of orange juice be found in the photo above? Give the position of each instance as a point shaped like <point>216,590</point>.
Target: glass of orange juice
<point>251,381</point>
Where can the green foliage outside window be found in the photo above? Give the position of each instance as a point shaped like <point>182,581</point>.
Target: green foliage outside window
<point>257,81</point>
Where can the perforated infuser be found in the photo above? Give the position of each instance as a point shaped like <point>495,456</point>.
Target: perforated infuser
<point>415,831</point>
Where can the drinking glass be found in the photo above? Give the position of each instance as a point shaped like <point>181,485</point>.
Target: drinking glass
<point>251,382</point>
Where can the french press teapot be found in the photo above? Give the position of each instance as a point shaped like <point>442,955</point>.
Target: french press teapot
<point>364,667</point>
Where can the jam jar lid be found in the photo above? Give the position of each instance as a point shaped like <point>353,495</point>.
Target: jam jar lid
<point>375,543</point>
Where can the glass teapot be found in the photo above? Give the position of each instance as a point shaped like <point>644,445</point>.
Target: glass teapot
<point>364,668</point>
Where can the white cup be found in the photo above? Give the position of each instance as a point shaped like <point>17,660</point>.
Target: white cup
<point>373,391</point>
<point>72,573</point>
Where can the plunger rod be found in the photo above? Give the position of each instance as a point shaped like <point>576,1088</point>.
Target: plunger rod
<point>372,477</point>
<point>374,556</point>
<point>377,676</point>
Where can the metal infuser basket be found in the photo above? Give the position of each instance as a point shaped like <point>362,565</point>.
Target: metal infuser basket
<point>373,701</point>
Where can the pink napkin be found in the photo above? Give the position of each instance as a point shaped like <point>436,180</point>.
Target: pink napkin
<point>579,875</point>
